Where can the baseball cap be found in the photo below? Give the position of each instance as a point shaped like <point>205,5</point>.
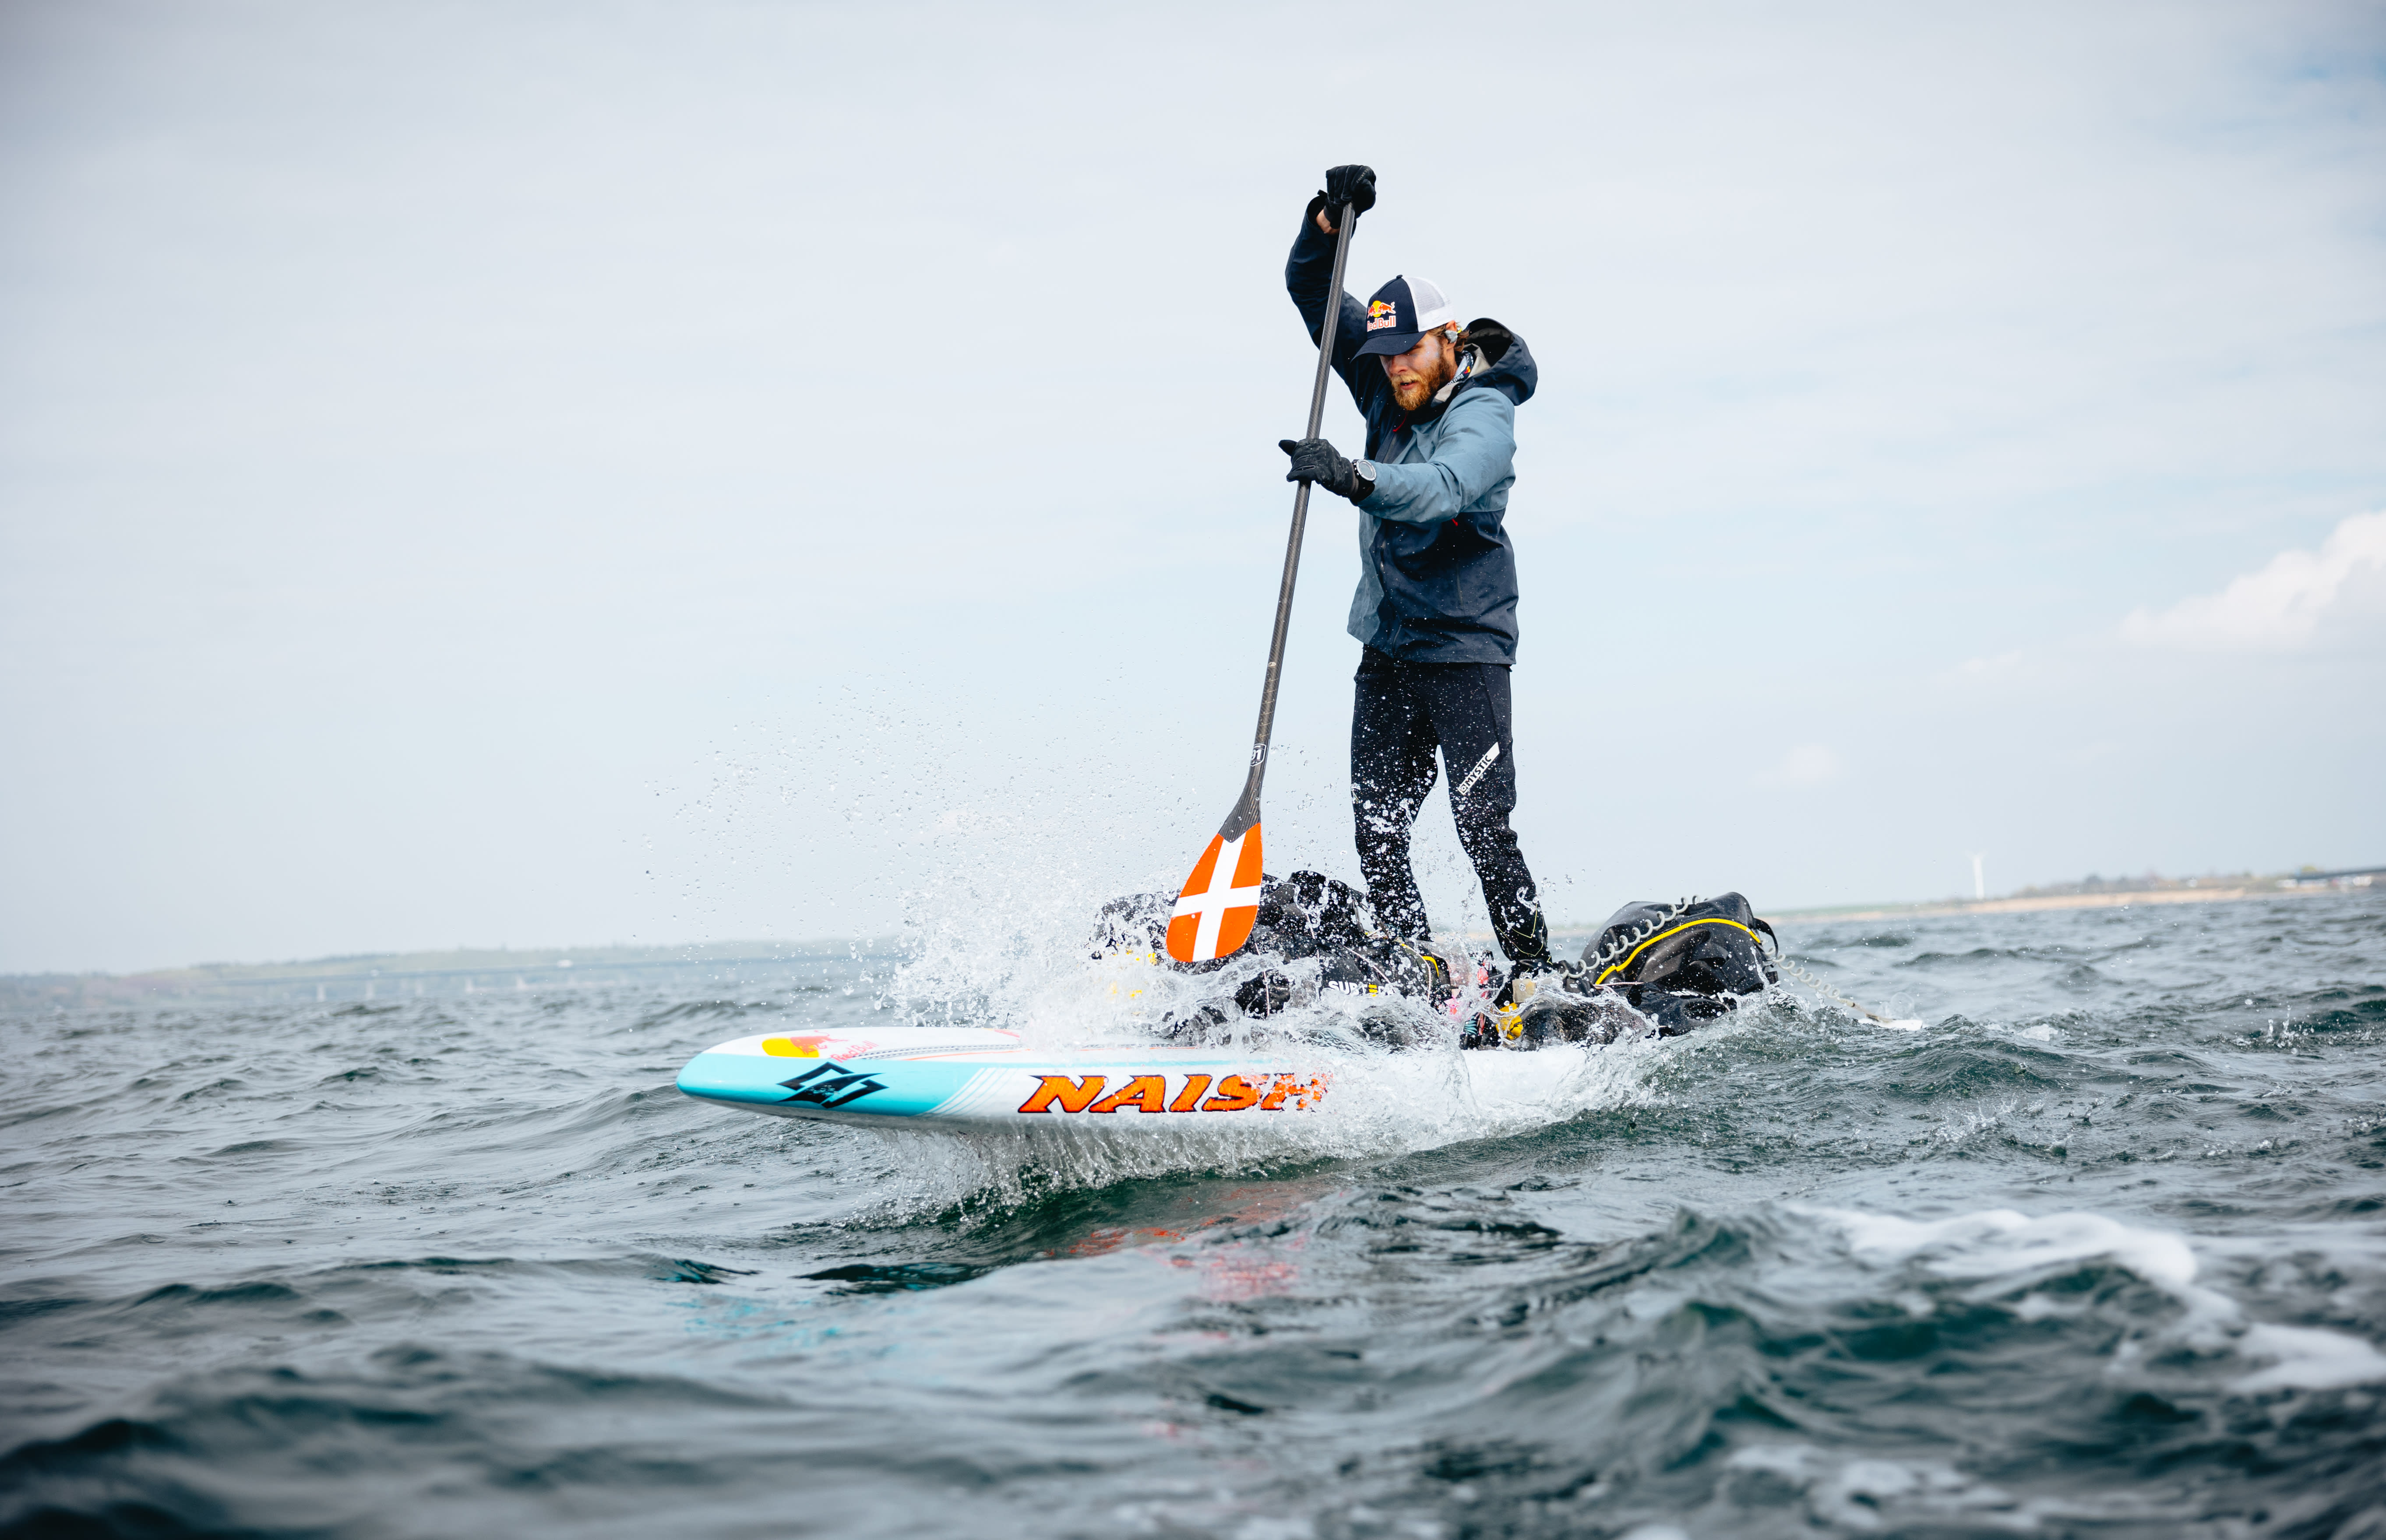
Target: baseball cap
<point>1401,311</point>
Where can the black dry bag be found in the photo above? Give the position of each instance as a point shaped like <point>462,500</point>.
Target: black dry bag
<point>1681,967</point>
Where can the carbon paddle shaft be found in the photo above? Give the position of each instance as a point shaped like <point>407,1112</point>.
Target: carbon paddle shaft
<point>1247,807</point>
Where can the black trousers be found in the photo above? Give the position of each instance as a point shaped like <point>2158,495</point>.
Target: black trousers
<point>1402,712</point>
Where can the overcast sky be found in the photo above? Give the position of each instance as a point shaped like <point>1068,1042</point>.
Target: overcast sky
<point>542,473</point>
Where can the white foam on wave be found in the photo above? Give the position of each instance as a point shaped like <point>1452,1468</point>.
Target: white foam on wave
<point>1999,1242</point>
<point>1868,1493</point>
<point>1999,1248</point>
<point>2309,1358</point>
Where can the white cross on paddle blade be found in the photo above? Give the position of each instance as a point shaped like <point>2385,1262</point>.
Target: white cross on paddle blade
<point>1221,901</point>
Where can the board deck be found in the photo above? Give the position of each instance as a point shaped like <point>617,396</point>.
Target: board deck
<point>957,1078</point>
<point>981,1075</point>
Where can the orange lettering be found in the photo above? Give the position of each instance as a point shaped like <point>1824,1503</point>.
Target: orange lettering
<point>1194,1086</point>
<point>1071,1094</point>
<point>1302,1092</point>
<point>1235,1094</point>
<point>1144,1092</point>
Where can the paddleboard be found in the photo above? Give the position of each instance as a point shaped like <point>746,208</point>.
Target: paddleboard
<point>927,1076</point>
<point>962,1078</point>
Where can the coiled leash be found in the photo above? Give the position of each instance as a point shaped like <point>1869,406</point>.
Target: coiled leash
<point>1616,953</point>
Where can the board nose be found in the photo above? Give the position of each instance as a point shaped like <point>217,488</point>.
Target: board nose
<point>735,1079</point>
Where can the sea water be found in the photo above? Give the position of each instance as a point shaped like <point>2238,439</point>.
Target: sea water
<point>2099,1249</point>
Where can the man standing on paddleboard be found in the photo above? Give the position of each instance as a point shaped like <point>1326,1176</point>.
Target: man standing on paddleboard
<point>1436,611</point>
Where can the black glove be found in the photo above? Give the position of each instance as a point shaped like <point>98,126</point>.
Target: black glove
<point>1317,461</point>
<point>1352,185</point>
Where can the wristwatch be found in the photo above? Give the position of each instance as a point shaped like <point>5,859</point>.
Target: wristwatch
<point>1363,480</point>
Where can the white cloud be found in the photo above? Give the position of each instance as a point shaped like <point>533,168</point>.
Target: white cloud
<point>2279,607</point>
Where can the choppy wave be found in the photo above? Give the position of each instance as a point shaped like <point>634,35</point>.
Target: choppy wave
<point>2098,1251</point>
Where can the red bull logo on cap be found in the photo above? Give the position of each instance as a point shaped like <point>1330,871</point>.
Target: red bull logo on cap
<point>1382,313</point>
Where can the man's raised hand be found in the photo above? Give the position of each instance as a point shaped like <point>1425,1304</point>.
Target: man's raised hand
<point>1352,185</point>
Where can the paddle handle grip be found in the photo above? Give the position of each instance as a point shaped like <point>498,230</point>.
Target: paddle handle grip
<point>1247,807</point>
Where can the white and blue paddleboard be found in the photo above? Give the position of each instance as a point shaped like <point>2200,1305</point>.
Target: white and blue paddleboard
<point>925,1076</point>
<point>956,1079</point>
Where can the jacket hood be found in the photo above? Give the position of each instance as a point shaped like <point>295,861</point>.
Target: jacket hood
<point>1495,359</point>
<point>1507,365</point>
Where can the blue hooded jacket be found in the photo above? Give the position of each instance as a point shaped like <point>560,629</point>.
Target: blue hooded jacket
<point>1437,574</point>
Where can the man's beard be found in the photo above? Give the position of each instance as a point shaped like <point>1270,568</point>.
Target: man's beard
<point>1420,388</point>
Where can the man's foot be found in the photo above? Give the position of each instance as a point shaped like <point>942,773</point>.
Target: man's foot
<point>1504,1022</point>
<point>1528,976</point>
<point>1442,984</point>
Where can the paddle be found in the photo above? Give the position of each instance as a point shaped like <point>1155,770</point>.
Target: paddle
<point>1221,901</point>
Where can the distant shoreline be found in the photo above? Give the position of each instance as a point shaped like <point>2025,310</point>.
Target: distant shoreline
<point>2037,902</point>
<point>393,976</point>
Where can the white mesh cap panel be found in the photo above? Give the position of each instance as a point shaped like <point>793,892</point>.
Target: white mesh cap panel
<point>1432,306</point>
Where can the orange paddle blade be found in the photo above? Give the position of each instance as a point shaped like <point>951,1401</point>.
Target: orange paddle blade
<point>1221,901</point>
